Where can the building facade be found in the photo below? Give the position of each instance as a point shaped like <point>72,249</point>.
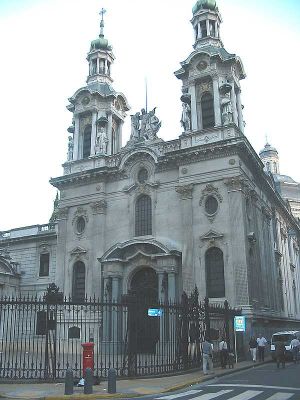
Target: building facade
<point>161,217</point>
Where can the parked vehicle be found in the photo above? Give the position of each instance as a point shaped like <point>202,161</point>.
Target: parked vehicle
<point>285,337</point>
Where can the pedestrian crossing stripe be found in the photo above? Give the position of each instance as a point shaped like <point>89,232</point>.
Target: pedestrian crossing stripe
<point>246,395</point>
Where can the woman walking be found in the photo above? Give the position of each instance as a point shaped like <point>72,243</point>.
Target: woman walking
<point>253,348</point>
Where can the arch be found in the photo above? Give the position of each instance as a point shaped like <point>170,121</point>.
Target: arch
<point>207,110</point>
<point>214,267</point>
<point>143,216</point>
<point>86,141</point>
<point>78,283</point>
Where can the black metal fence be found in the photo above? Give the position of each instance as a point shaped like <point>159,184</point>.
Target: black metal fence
<point>41,338</point>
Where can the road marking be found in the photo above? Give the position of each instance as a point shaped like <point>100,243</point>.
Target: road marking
<point>209,396</point>
<point>249,394</point>
<point>178,395</point>
<point>254,386</point>
<point>281,396</point>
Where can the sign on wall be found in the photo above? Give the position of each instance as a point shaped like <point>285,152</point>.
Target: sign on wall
<point>155,312</point>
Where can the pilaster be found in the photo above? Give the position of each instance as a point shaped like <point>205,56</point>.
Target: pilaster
<point>217,107</point>
<point>193,107</point>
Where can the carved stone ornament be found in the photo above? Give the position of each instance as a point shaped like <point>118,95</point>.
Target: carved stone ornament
<point>44,246</point>
<point>210,190</point>
<point>206,86</point>
<point>62,213</point>
<point>185,191</point>
<point>99,207</point>
<point>236,183</point>
<point>80,212</point>
<point>78,253</point>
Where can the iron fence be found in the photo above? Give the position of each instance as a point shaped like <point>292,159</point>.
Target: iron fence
<point>41,338</point>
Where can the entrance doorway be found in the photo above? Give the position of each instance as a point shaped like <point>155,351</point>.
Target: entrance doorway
<point>144,285</point>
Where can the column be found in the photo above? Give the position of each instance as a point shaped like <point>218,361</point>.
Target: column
<point>94,130</point>
<point>233,103</point>
<point>199,31</point>
<point>240,112</point>
<point>115,288</point>
<point>186,206</point>
<point>217,108</point>
<point>109,134</point>
<point>63,275</point>
<point>106,311</point>
<point>207,28</point>
<point>98,69</point>
<point>116,313</point>
<point>171,287</point>
<point>160,286</point>
<point>76,153</point>
<point>192,91</point>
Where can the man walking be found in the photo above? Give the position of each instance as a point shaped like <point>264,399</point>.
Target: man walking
<point>261,343</point>
<point>295,346</point>
<point>280,354</point>
<point>207,354</point>
<point>223,350</point>
<point>252,348</point>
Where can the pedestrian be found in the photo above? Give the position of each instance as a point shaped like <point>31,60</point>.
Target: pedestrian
<point>253,348</point>
<point>223,351</point>
<point>295,347</point>
<point>280,353</point>
<point>261,345</point>
<point>207,356</point>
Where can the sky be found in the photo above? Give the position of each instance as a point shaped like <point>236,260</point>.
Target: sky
<point>43,48</point>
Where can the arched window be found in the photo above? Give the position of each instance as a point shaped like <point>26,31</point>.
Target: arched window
<point>78,287</point>
<point>143,216</point>
<point>208,112</point>
<point>275,168</point>
<point>86,144</point>
<point>214,265</point>
<point>268,166</point>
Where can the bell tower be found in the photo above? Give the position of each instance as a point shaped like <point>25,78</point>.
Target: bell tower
<point>211,92</point>
<point>98,110</point>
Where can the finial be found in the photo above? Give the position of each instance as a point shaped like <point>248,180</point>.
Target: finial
<point>102,12</point>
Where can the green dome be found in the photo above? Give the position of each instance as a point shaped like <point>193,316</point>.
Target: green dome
<point>100,44</point>
<point>204,4</point>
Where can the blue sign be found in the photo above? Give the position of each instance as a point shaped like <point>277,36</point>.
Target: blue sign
<point>240,324</point>
<point>155,312</point>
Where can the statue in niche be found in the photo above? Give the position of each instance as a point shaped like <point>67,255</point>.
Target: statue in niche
<point>101,141</point>
<point>227,114</point>
<point>144,125</point>
<point>70,148</point>
<point>186,117</point>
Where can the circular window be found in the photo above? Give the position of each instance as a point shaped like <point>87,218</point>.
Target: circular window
<point>142,175</point>
<point>80,224</point>
<point>211,205</point>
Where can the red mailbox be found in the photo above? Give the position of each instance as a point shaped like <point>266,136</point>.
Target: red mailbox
<point>88,356</point>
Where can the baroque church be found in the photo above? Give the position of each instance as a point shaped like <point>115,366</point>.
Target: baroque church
<point>161,217</point>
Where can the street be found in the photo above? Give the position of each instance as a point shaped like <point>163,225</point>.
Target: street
<point>260,383</point>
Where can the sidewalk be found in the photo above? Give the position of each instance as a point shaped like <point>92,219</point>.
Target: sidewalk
<point>125,388</point>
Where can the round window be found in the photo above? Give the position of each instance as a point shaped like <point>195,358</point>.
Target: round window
<point>211,205</point>
<point>80,225</point>
<point>142,175</point>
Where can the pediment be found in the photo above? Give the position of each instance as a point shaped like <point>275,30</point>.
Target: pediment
<point>212,235</point>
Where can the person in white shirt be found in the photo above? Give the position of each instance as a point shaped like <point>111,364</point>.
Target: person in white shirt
<point>223,348</point>
<point>295,347</point>
<point>261,345</point>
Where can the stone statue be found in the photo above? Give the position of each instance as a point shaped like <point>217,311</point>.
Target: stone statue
<point>135,125</point>
<point>152,126</point>
<point>70,148</point>
<point>227,114</point>
<point>101,141</point>
<point>186,117</point>
<point>144,125</point>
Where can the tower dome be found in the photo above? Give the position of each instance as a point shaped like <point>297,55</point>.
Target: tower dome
<point>204,4</point>
<point>270,158</point>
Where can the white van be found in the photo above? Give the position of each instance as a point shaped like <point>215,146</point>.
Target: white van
<point>285,337</point>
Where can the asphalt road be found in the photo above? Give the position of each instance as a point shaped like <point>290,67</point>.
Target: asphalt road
<point>261,383</point>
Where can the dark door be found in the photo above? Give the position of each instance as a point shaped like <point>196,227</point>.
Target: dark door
<point>145,286</point>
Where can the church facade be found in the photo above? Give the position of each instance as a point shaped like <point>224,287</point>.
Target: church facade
<point>161,217</point>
